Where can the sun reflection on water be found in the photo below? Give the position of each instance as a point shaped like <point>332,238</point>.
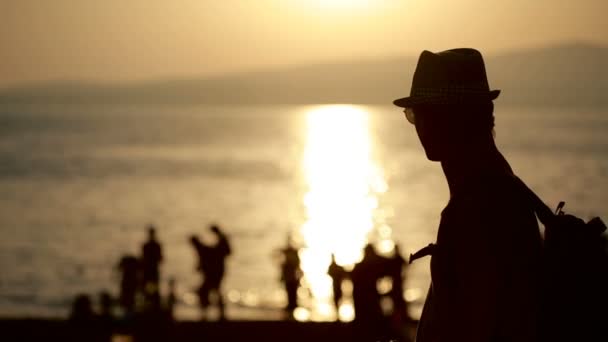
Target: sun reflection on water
<point>344,183</point>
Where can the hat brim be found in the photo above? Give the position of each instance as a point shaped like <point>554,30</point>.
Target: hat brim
<point>412,101</point>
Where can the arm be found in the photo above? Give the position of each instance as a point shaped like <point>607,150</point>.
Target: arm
<point>468,294</point>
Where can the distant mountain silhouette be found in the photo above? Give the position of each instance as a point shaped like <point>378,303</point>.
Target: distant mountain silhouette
<point>571,74</point>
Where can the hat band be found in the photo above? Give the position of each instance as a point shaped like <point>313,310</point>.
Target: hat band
<point>452,90</point>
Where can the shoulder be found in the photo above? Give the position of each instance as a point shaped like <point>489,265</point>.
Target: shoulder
<point>488,208</point>
<point>485,198</point>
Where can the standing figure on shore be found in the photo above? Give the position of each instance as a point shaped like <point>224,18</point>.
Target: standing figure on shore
<point>171,300</point>
<point>106,306</point>
<point>212,266</point>
<point>151,258</point>
<point>400,318</point>
<point>291,275</point>
<point>129,281</point>
<point>83,323</point>
<point>82,310</point>
<point>337,274</point>
<point>396,265</point>
<point>486,264</point>
<point>369,317</point>
<point>105,317</point>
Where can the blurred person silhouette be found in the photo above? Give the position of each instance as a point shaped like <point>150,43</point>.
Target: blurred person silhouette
<point>337,274</point>
<point>396,273</point>
<point>369,317</point>
<point>212,266</point>
<point>290,274</point>
<point>151,258</point>
<point>171,299</point>
<point>82,309</point>
<point>129,283</point>
<point>106,308</point>
<point>106,305</point>
<point>83,323</point>
<point>485,265</point>
<point>105,315</point>
<point>400,315</point>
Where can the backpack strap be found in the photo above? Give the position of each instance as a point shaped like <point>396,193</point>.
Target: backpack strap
<point>544,213</point>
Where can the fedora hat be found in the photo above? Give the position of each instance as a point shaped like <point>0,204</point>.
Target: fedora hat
<point>449,77</point>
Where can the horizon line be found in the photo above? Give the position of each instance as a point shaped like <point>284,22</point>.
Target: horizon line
<point>92,82</point>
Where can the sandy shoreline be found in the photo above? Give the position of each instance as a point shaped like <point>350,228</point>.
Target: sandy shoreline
<point>150,330</point>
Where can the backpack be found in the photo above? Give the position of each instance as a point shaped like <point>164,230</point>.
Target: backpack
<point>575,274</point>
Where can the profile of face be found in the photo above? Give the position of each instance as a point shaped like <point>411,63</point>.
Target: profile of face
<point>434,130</point>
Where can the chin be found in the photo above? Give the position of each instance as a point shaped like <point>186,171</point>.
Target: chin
<point>430,155</point>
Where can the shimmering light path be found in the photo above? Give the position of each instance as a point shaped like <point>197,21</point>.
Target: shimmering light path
<point>344,184</point>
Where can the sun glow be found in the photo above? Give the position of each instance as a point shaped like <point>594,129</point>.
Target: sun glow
<point>341,4</point>
<point>335,6</point>
<point>344,184</point>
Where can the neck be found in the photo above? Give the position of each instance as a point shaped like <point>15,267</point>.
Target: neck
<point>472,164</point>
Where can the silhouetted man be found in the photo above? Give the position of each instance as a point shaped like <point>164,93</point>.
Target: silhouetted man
<point>105,306</point>
<point>171,300</point>
<point>151,258</point>
<point>486,262</point>
<point>128,267</point>
<point>105,317</point>
<point>396,265</point>
<point>212,266</point>
<point>83,323</point>
<point>291,275</point>
<point>400,315</point>
<point>337,274</point>
<point>369,317</point>
<point>82,310</point>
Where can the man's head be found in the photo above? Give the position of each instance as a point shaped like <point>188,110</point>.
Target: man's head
<point>214,228</point>
<point>151,232</point>
<point>450,130</point>
<point>450,102</point>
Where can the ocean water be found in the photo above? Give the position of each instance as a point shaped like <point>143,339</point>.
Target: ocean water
<point>79,184</point>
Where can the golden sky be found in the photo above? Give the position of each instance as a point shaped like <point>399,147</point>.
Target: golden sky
<point>121,40</point>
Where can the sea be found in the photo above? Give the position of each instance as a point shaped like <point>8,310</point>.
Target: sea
<point>80,184</point>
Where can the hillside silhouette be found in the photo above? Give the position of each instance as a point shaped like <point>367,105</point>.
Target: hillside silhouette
<point>570,74</point>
